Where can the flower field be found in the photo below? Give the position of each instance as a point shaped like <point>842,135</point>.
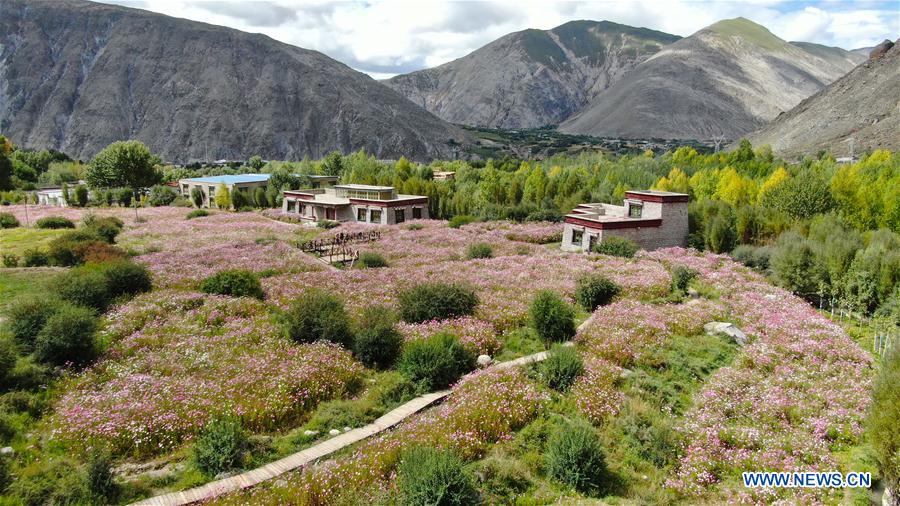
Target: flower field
<point>178,359</point>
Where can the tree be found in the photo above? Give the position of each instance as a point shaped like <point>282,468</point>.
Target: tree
<point>552,317</point>
<point>6,166</point>
<point>259,197</point>
<point>802,196</point>
<point>197,196</point>
<point>223,197</point>
<point>333,164</point>
<point>123,163</point>
<point>256,162</point>
<point>81,195</point>
<point>65,193</point>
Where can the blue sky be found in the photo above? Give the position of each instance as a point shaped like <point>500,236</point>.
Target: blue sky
<point>383,38</point>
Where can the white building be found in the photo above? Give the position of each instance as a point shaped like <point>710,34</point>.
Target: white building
<point>355,202</point>
<point>652,219</point>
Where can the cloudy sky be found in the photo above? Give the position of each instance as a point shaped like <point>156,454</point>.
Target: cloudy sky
<point>384,38</point>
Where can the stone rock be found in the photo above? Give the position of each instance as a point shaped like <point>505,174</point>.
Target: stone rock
<point>879,50</point>
<point>333,432</point>
<point>693,293</point>
<point>887,498</point>
<point>484,360</point>
<point>7,450</point>
<point>347,429</point>
<point>728,329</point>
<point>310,433</point>
<point>223,475</point>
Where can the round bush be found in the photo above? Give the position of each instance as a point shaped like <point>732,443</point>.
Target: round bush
<point>124,277</point>
<point>35,258</point>
<point>26,317</point>
<point>377,342</point>
<point>220,446</point>
<point>197,213</point>
<point>10,260</point>
<point>431,476</point>
<point>68,336</point>
<point>436,301</point>
<point>480,250</point>
<point>234,282</point>
<point>682,277</point>
<point>574,457</point>
<point>317,315</point>
<point>371,260</point>
<point>436,362</point>
<point>8,220</point>
<point>161,195</point>
<point>107,227</point>
<point>327,224</point>
<point>68,249</point>
<point>460,220</point>
<point>595,290</point>
<point>84,287</point>
<point>562,367</point>
<point>616,246</point>
<point>54,222</point>
<point>552,317</point>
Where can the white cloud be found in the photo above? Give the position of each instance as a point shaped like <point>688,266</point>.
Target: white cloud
<point>389,37</point>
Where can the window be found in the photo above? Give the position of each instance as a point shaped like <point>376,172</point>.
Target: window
<point>577,237</point>
<point>291,206</point>
<point>634,210</point>
<point>375,216</point>
<point>417,213</point>
<point>399,215</point>
<point>361,214</point>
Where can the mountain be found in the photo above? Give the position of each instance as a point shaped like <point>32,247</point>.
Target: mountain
<point>727,79</point>
<point>531,78</point>
<point>834,55</point>
<point>76,75</point>
<point>863,105</point>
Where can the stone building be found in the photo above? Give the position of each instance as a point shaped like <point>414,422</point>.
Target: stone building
<point>246,183</point>
<point>355,202</point>
<point>652,219</point>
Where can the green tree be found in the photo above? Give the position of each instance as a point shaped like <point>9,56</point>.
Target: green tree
<point>256,162</point>
<point>123,163</point>
<point>333,164</point>
<point>81,195</point>
<point>197,196</point>
<point>6,166</point>
<point>552,317</point>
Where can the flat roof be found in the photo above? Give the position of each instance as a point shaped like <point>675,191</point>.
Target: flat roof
<point>657,192</point>
<point>230,179</point>
<point>364,187</point>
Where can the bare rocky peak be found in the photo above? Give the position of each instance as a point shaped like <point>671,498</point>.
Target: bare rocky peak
<point>77,75</point>
<point>858,112</point>
<point>725,80</point>
<point>531,78</point>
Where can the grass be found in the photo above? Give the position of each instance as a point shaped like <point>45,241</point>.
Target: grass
<point>17,240</point>
<point>22,281</point>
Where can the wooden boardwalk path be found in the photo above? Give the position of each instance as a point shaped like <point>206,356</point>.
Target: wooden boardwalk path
<point>273,469</point>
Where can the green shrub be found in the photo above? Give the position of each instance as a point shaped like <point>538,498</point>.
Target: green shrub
<point>682,277</point>
<point>545,215</point>
<point>26,317</point>
<point>35,258</point>
<point>436,301</point>
<point>69,249</point>
<point>327,224</point>
<point>616,246</point>
<point>415,226</point>
<point>8,357</point>
<point>721,236</point>
<point>317,315</point>
<point>81,196</point>
<point>85,287</point>
<point>220,446</point>
<point>233,282</point>
<point>884,431</point>
<point>124,277</point>
<point>480,250</point>
<point>436,362</point>
<point>371,260</point>
<point>161,195</point>
<point>99,477</point>
<point>196,197</point>
<point>436,477</point>
<point>49,481</point>
<point>107,227</point>
<point>377,342</point>
<point>575,457</point>
<point>8,220</point>
<point>67,336</point>
<point>594,290</point>
<point>753,257</point>
<point>562,367</point>
<point>10,260</point>
<point>54,222</point>
<point>552,317</point>
<point>460,220</point>
<point>197,213</point>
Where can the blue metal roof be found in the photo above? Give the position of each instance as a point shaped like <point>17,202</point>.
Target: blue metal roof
<point>237,178</point>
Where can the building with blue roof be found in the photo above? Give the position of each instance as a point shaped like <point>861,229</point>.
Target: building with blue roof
<point>245,183</point>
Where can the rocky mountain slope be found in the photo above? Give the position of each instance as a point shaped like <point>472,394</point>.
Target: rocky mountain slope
<point>863,105</point>
<point>77,75</point>
<point>531,78</point>
<point>725,80</point>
